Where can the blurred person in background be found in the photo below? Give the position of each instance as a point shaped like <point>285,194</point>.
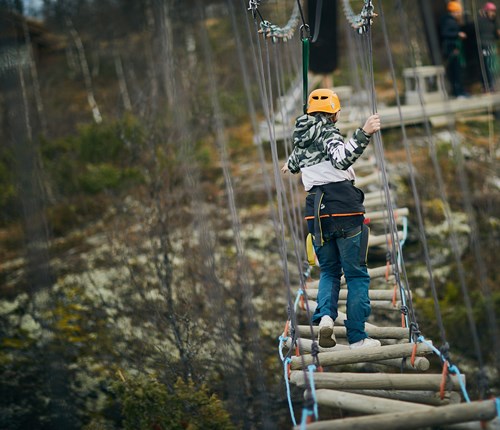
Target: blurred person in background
<point>452,47</point>
<point>488,33</point>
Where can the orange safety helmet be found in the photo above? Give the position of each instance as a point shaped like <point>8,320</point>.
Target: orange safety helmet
<point>323,100</point>
<point>454,6</point>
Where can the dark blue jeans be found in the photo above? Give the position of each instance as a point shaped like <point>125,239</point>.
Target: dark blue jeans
<point>341,252</point>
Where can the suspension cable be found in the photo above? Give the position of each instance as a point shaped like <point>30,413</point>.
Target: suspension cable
<point>266,94</point>
<point>447,211</point>
<point>363,27</point>
<point>243,281</point>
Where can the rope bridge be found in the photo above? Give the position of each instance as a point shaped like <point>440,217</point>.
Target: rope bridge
<point>391,389</point>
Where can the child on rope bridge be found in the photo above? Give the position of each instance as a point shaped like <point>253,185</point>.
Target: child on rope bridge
<point>334,213</point>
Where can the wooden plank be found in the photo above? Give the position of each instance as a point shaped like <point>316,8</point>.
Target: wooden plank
<point>424,397</point>
<point>305,347</point>
<point>377,381</point>
<point>380,215</point>
<point>382,239</point>
<point>372,331</point>
<point>380,305</point>
<point>421,364</point>
<point>363,404</point>
<point>410,419</point>
<point>373,178</point>
<point>374,204</point>
<point>312,293</point>
<point>362,355</point>
<point>376,272</point>
<point>375,305</point>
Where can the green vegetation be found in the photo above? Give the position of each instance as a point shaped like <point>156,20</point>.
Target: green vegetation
<point>116,238</point>
<point>147,404</point>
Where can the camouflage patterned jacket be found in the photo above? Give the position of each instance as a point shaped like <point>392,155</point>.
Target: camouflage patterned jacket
<point>320,153</point>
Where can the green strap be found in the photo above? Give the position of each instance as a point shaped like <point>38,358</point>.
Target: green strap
<point>305,69</point>
<point>461,54</point>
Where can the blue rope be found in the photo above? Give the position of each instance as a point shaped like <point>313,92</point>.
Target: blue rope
<point>497,403</point>
<point>305,413</point>
<point>405,231</point>
<point>299,293</point>
<point>288,394</point>
<point>282,341</point>
<point>451,367</point>
<point>454,369</point>
<point>311,369</point>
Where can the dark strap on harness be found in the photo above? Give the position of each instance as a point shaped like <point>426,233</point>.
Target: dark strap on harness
<point>318,234</point>
<point>363,244</point>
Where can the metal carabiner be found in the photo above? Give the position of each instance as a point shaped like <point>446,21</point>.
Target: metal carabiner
<point>305,28</point>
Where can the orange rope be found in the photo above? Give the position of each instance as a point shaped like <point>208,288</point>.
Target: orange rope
<point>413,354</point>
<point>394,295</point>
<point>387,270</point>
<point>287,327</point>
<point>443,380</point>
<point>403,321</point>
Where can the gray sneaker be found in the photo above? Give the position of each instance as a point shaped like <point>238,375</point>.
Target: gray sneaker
<point>326,336</point>
<point>367,342</point>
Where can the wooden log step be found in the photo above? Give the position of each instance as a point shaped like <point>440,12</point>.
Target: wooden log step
<point>412,419</point>
<point>363,404</point>
<point>341,317</point>
<point>366,163</point>
<point>421,364</point>
<point>362,355</point>
<point>380,305</point>
<point>312,293</point>
<point>375,305</point>
<point>375,195</point>
<point>376,272</point>
<point>373,178</point>
<point>305,346</point>
<point>377,381</point>
<point>424,397</point>
<point>373,204</point>
<point>372,331</point>
<point>399,213</point>
<point>381,239</point>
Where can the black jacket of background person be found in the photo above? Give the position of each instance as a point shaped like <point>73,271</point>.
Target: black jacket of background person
<point>449,29</point>
<point>487,31</point>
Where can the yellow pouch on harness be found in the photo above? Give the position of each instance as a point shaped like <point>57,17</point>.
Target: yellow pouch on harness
<point>311,255</point>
